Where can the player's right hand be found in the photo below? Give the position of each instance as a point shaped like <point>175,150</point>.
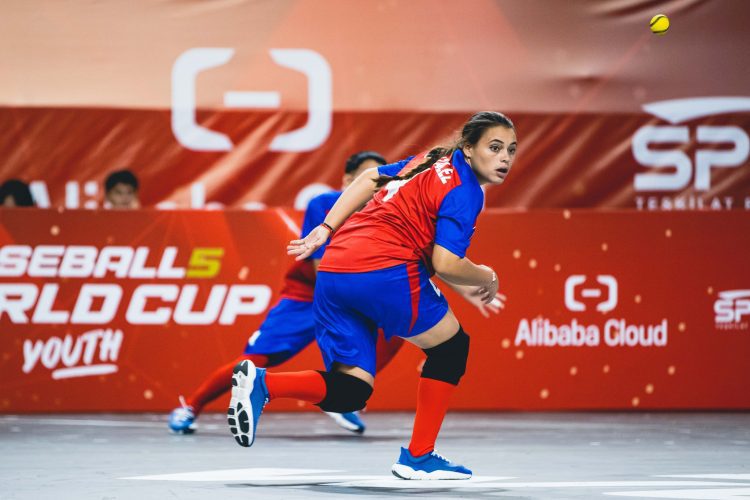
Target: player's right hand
<point>306,246</point>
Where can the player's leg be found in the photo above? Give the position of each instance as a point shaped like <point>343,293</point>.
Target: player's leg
<point>347,343</point>
<point>442,370</point>
<point>437,332</point>
<point>182,419</point>
<point>219,382</point>
<point>385,351</point>
<point>284,334</point>
<point>333,391</point>
<point>287,329</point>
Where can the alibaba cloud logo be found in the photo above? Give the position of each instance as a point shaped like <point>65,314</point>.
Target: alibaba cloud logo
<point>574,292</point>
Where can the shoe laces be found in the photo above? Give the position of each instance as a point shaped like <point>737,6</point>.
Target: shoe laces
<point>439,456</point>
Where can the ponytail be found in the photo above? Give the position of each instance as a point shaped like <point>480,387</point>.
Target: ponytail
<point>432,156</point>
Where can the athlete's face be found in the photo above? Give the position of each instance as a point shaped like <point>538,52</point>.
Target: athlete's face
<point>492,156</point>
<point>349,177</point>
<point>122,196</point>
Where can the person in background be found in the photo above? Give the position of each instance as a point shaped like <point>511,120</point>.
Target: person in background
<point>121,190</point>
<point>289,326</point>
<point>16,193</point>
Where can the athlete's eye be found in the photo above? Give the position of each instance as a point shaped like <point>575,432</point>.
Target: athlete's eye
<point>512,151</point>
<point>495,148</point>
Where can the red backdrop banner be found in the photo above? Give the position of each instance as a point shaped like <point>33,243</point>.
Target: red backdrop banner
<point>208,112</point>
<point>120,311</point>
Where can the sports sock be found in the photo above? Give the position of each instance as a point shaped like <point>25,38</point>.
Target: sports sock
<point>219,382</point>
<point>432,404</point>
<point>307,385</point>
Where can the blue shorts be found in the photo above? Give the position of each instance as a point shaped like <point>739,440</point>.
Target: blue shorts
<point>350,307</point>
<point>288,328</point>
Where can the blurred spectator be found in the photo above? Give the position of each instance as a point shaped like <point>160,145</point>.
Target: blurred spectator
<point>121,190</point>
<point>16,193</point>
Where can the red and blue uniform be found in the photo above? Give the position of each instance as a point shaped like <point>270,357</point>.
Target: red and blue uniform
<point>290,325</point>
<point>376,270</point>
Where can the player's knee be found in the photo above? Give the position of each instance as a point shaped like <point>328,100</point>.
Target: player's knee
<point>344,393</point>
<point>447,362</point>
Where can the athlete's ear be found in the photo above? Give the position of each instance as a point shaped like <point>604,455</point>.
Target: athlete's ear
<point>467,150</point>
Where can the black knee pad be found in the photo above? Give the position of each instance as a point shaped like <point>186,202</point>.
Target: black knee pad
<point>344,393</point>
<point>447,362</point>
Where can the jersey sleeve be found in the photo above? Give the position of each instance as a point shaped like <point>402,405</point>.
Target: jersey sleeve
<point>394,168</point>
<point>314,216</point>
<point>456,219</point>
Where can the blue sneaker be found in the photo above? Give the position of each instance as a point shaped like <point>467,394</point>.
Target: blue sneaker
<point>428,466</point>
<point>249,396</point>
<point>182,419</point>
<point>349,421</point>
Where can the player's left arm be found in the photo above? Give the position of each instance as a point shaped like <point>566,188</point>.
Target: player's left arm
<point>455,225</point>
<point>352,199</point>
<point>473,295</point>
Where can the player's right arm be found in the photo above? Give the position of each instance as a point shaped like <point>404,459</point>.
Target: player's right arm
<point>352,199</point>
<point>314,215</point>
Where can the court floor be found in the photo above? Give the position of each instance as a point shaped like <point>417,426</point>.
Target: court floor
<point>513,455</point>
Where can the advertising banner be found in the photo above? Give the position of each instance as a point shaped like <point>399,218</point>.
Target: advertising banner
<point>124,311</point>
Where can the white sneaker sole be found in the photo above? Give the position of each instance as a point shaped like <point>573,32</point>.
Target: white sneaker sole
<point>406,472</point>
<point>342,422</point>
<point>240,413</point>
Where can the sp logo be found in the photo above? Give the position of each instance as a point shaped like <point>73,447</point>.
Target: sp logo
<point>574,292</point>
<point>732,309</point>
<point>674,165</point>
<point>196,137</point>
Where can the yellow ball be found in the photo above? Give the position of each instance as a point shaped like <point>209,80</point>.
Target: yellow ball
<point>659,24</point>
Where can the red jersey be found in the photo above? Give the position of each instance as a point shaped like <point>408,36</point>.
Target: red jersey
<point>405,219</point>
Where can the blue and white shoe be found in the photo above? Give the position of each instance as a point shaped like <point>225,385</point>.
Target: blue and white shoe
<point>249,397</point>
<point>182,419</point>
<point>349,421</point>
<point>428,466</point>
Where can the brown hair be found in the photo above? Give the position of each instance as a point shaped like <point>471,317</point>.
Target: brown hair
<point>470,134</point>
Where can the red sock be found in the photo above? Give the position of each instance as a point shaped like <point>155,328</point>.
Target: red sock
<point>307,385</point>
<point>432,405</point>
<point>385,350</point>
<point>219,382</point>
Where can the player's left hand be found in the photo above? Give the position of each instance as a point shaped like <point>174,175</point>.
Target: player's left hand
<point>306,246</point>
<point>477,297</point>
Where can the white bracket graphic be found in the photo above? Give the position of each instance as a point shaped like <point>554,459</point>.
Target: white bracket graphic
<point>575,280</point>
<point>198,138</point>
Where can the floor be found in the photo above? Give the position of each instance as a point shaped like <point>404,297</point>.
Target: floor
<point>295,456</point>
